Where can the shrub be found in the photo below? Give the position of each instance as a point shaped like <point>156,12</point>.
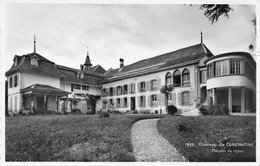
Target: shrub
<point>219,109</point>
<point>216,109</point>
<point>172,109</point>
<point>156,111</point>
<point>76,111</point>
<point>144,111</point>
<point>204,110</point>
<point>104,115</point>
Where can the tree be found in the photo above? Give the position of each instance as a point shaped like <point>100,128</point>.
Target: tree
<point>213,12</point>
<point>166,90</point>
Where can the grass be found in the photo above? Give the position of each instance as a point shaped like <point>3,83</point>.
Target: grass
<point>188,133</point>
<point>70,138</point>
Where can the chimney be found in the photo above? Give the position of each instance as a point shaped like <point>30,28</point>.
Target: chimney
<point>251,48</point>
<point>121,62</point>
<point>81,67</point>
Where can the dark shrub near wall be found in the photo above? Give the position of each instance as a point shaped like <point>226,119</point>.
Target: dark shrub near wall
<point>172,109</point>
<point>216,109</point>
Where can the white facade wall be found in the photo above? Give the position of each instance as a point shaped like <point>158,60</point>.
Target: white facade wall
<point>160,97</point>
<point>35,78</point>
<point>14,96</point>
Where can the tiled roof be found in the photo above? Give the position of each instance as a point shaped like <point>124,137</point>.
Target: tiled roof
<point>45,88</point>
<point>45,66</point>
<point>97,69</point>
<point>111,72</point>
<point>160,62</point>
<point>70,75</point>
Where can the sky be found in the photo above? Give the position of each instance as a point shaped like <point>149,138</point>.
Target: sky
<point>65,32</point>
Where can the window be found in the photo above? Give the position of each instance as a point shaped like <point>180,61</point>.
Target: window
<point>15,81</point>
<point>154,100</point>
<point>118,103</point>
<point>104,91</point>
<point>133,88</point>
<point>203,76</point>
<point>142,87</point>
<point>210,70</point>
<point>125,89</point>
<point>177,78</point>
<point>111,91</point>
<point>84,87</point>
<point>104,104</point>
<point>77,86</point>
<point>153,85</point>
<point>142,101</point>
<point>111,103</point>
<point>125,102</point>
<point>34,62</point>
<point>81,75</point>
<point>234,66</point>
<point>221,68</point>
<point>186,98</point>
<point>11,82</point>
<point>185,77</point>
<point>119,90</point>
<point>169,96</point>
<point>168,79</point>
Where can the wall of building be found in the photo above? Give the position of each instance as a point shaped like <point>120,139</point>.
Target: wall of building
<point>159,76</point>
<point>28,79</point>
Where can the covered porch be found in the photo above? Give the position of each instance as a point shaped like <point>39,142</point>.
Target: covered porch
<point>42,98</point>
<point>240,100</point>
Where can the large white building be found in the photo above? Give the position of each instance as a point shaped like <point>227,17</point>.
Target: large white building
<point>198,77</point>
<point>35,82</point>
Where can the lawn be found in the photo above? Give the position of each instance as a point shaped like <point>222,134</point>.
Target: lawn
<point>208,138</point>
<point>70,138</point>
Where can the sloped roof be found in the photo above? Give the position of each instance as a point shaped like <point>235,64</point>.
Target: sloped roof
<point>44,89</point>
<point>70,75</point>
<point>97,69</point>
<point>45,66</point>
<point>160,62</point>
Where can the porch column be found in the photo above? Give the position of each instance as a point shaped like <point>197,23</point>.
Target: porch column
<point>230,99</point>
<point>243,103</point>
<point>57,103</point>
<point>45,106</point>
<point>32,104</point>
<point>208,97</point>
<point>214,91</point>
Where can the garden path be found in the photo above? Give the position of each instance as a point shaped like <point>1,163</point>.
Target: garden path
<point>149,145</point>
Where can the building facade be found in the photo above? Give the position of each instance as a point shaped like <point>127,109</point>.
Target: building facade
<point>35,83</point>
<point>198,77</point>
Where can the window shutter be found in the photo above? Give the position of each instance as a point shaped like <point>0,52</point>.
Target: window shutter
<point>179,98</point>
<point>174,98</point>
<point>162,99</point>
<point>139,87</point>
<point>149,101</point>
<point>158,83</point>
<point>108,92</point>
<point>138,101</point>
<point>144,101</point>
<point>242,66</point>
<point>133,86</point>
<point>129,88</point>
<point>147,86</point>
<point>122,102</point>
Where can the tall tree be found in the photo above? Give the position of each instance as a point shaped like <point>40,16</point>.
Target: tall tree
<point>166,90</point>
<point>213,11</point>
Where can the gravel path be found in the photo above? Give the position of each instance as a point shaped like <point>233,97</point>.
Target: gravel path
<point>149,145</point>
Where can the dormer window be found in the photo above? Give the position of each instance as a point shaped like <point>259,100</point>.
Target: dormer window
<point>81,75</point>
<point>34,62</point>
<point>15,62</point>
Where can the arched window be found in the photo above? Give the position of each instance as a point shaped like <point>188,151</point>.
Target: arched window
<point>168,79</point>
<point>177,78</point>
<point>185,77</point>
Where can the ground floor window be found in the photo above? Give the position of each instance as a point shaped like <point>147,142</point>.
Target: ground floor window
<point>169,96</point>
<point>154,100</point>
<point>186,98</point>
<point>118,103</point>
<point>142,101</point>
<point>125,102</point>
